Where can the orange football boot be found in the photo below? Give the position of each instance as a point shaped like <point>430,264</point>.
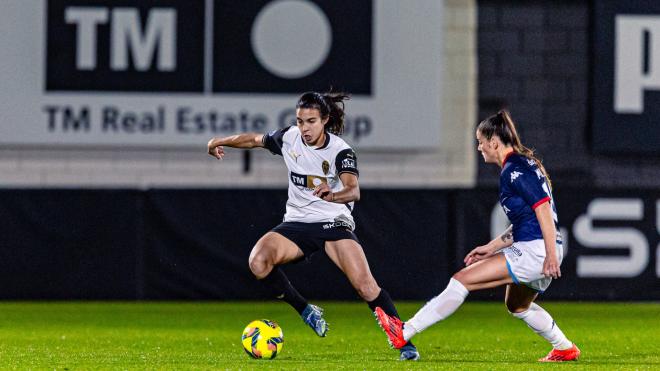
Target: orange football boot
<point>556,355</point>
<point>393,328</point>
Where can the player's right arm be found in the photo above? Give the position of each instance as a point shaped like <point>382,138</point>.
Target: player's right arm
<point>245,140</point>
<point>489,249</point>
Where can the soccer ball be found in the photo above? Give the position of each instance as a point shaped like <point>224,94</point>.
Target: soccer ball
<point>262,339</point>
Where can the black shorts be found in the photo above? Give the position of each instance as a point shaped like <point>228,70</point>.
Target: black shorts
<point>311,237</point>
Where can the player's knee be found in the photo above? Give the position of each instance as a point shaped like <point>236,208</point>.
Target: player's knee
<point>259,265</point>
<point>367,289</point>
<point>515,308</point>
<point>461,277</point>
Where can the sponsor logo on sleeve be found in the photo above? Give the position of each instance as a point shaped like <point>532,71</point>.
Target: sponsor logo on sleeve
<point>348,163</point>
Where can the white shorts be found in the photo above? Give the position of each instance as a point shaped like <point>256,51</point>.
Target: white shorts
<point>524,260</point>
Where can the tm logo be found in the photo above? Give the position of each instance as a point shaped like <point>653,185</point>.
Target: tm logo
<point>125,46</point>
<point>126,37</point>
<point>299,180</point>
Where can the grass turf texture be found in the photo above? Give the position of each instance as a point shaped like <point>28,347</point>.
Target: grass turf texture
<point>99,335</point>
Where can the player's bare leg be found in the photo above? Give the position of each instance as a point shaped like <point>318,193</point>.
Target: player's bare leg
<point>485,274</point>
<point>519,301</point>
<point>272,250</point>
<point>349,257</point>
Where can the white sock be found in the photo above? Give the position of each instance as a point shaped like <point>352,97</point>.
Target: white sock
<point>437,309</point>
<point>542,323</point>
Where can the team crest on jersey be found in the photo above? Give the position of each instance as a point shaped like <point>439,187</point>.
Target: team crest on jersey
<point>325,166</point>
<point>515,175</point>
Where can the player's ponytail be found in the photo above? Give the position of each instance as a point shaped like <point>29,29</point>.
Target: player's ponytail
<point>330,105</point>
<point>501,124</point>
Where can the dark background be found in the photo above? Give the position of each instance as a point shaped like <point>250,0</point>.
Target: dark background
<point>347,67</point>
<point>539,60</point>
<point>194,244</point>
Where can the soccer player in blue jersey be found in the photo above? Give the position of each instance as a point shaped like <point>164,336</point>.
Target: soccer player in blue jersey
<point>525,258</point>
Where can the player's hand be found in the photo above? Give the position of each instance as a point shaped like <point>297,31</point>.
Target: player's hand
<point>551,267</point>
<point>324,192</point>
<point>215,149</point>
<point>477,254</point>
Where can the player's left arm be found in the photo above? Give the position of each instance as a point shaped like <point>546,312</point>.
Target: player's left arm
<point>349,193</point>
<point>347,168</point>
<point>549,232</point>
<point>530,187</point>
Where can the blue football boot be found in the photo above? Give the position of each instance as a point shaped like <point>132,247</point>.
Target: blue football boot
<point>408,353</point>
<point>313,317</point>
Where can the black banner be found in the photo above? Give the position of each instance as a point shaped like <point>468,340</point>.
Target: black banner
<point>195,244</point>
<point>344,49</point>
<point>232,47</point>
<point>125,45</point>
<point>69,244</point>
<point>198,244</point>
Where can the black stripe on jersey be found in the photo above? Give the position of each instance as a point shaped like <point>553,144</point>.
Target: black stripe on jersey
<point>346,162</point>
<point>348,172</point>
<point>327,141</point>
<point>274,140</point>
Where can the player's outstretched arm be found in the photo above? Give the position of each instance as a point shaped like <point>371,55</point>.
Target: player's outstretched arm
<point>246,140</point>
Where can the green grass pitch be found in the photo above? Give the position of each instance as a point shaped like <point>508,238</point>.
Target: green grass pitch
<point>146,335</point>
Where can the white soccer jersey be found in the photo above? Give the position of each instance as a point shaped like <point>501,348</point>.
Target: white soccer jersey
<point>309,167</point>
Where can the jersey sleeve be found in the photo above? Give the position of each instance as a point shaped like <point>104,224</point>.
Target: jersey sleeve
<point>346,162</point>
<point>529,186</point>
<point>274,140</point>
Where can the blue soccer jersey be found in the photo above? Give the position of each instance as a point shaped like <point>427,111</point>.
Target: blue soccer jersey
<point>523,188</point>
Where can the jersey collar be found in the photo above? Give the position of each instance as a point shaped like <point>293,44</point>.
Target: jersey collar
<point>508,155</point>
<point>325,143</point>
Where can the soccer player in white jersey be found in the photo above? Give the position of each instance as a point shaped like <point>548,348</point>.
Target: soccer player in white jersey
<point>525,258</point>
<point>323,187</point>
